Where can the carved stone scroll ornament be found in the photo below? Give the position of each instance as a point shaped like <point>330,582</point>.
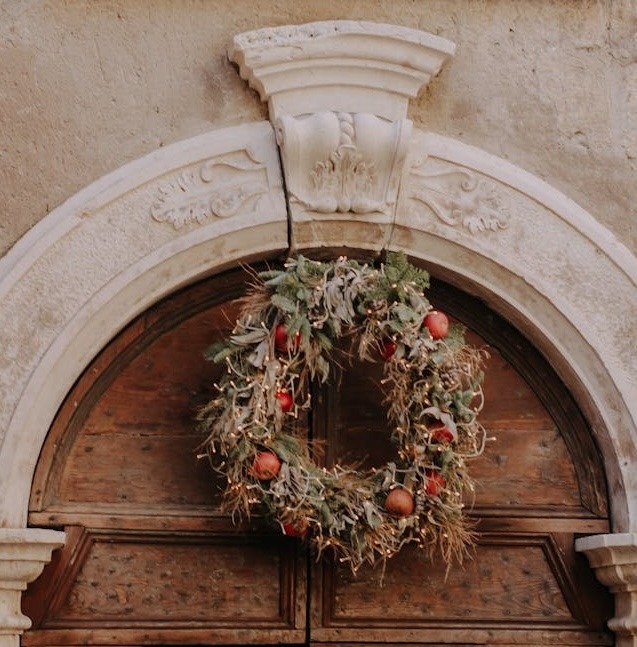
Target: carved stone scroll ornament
<point>343,162</point>
<point>220,187</point>
<point>458,197</point>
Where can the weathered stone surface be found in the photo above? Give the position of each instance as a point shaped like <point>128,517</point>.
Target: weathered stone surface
<point>88,87</point>
<point>339,65</point>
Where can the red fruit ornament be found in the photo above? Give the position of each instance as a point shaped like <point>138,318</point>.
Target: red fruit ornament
<point>440,433</point>
<point>285,400</point>
<point>437,324</point>
<point>399,502</point>
<point>436,482</point>
<point>388,349</point>
<point>266,465</point>
<point>298,529</point>
<point>282,342</point>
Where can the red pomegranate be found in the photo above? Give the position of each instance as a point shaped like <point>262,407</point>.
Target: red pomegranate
<point>285,400</point>
<point>399,502</point>
<point>266,465</point>
<point>436,482</point>
<point>437,324</point>
<point>282,342</point>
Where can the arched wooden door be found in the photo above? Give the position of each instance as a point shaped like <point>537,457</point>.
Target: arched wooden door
<point>150,560</point>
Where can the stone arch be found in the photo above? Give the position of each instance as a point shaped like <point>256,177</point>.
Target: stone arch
<point>202,205</point>
<point>104,256</point>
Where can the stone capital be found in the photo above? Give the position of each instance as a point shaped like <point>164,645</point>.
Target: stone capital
<point>614,558</point>
<point>23,554</point>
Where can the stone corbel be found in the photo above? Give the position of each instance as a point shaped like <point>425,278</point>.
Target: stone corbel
<point>614,558</point>
<point>23,554</point>
<point>338,93</point>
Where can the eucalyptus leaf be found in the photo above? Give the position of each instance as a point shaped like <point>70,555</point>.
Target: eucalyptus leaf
<point>222,354</point>
<point>406,314</point>
<point>251,337</point>
<point>257,357</point>
<point>274,278</point>
<point>326,516</point>
<point>371,514</point>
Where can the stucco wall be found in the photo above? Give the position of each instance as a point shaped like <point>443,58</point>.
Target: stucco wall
<point>86,86</point>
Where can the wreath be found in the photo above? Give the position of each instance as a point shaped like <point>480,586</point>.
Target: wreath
<point>284,339</point>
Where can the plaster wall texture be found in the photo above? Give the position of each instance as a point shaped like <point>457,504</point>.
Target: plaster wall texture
<point>87,86</point>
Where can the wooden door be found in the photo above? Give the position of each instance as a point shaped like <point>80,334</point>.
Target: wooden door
<point>150,559</point>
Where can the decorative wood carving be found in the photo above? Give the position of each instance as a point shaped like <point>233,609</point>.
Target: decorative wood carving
<point>219,187</point>
<point>515,582</point>
<point>177,586</point>
<point>168,579</point>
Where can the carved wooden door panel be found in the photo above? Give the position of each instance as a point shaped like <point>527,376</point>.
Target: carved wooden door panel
<point>150,560</point>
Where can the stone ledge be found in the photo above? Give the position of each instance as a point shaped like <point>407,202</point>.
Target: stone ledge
<point>339,65</point>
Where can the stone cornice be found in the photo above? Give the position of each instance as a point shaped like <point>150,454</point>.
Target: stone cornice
<point>339,65</point>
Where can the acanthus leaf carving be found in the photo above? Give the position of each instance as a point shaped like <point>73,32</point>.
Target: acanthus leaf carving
<point>342,183</point>
<point>459,198</point>
<point>217,188</point>
<point>343,162</point>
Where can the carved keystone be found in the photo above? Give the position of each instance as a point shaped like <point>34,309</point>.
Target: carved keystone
<point>337,94</point>
<point>23,554</point>
<point>343,162</point>
<point>614,558</point>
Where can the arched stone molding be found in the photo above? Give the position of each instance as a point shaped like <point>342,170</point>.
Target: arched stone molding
<point>547,266</point>
<point>104,256</point>
<point>111,252</point>
<point>203,205</point>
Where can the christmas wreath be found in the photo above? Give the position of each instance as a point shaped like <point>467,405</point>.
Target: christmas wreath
<point>284,339</point>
